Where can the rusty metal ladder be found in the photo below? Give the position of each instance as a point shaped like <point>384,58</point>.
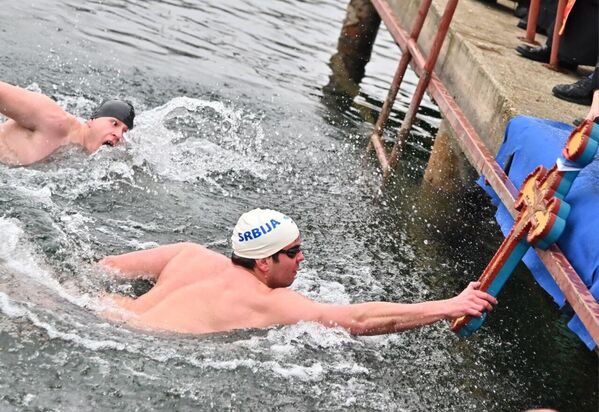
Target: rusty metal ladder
<point>411,53</point>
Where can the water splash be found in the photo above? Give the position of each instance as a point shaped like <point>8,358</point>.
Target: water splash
<point>18,257</point>
<point>188,139</point>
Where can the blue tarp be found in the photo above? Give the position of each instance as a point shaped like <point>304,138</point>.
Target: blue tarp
<point>530,142</point>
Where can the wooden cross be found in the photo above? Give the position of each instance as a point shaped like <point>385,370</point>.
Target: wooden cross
<point>542,215</point>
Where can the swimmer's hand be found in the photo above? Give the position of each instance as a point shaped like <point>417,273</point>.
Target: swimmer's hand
<point>109,262</point>
<point>128,266</point>
<point>116,307</point>
<point>471,302</point>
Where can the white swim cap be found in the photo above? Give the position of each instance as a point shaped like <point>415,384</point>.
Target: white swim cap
<point>261,233</point>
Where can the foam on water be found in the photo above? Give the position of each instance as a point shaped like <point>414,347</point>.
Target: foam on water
<point>310,283</point>
<point>18,256</point>
<point>307,374</point>
<point>284,346</point>
<point>13,310</point>
<point>136,245</point>
<point>209,137</point>
<point>286,342</point>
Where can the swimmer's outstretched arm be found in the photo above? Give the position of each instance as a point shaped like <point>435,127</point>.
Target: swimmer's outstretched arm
<point>31,110</point>
<point>378,318</point>
<point>147,263</point>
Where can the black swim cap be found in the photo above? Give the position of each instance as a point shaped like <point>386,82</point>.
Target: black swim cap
<point>118,109</point>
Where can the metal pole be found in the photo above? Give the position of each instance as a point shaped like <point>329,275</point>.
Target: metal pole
<point>531,24</point>
<point>553,60</point>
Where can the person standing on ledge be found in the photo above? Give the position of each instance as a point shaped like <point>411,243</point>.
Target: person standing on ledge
<point>201,291</point>
<point>37,126</point>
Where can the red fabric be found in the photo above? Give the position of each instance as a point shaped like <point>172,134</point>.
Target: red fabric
<point>567,10</point>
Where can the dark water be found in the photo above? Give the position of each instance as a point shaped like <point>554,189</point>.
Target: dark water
<point>231,117</point>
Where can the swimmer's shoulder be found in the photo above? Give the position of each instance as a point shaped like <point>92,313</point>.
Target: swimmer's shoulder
<point>201,261</point>
<point>195,250</point>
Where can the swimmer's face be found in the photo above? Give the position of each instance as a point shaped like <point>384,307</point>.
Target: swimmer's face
<point>283,272</point>
<point>107,131</point>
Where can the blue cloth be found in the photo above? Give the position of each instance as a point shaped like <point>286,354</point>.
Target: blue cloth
<point>531,142</point>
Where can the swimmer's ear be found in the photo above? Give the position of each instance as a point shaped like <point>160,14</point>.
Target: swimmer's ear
<point>263,264</point>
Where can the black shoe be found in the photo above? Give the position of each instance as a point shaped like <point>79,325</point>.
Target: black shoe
<point>521,11</point>
<point>580,92</point>
<point>541,54</point>
<point>538,54</point>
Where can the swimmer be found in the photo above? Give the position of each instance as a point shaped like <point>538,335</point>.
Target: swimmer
<point>200,291</point>
<point>37,126</point>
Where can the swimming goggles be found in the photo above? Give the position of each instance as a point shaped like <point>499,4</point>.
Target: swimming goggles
<point>292,251</point>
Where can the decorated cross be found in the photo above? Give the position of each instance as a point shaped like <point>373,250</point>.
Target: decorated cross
<point>542,214</point>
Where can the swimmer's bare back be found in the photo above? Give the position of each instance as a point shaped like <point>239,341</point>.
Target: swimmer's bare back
<point>188,263</point>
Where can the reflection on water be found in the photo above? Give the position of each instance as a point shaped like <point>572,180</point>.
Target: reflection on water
<point>229,96</point>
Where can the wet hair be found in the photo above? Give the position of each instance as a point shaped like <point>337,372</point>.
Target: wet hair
<point>118,109</point>
<point>243,262</point>
<point>249,263</point>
